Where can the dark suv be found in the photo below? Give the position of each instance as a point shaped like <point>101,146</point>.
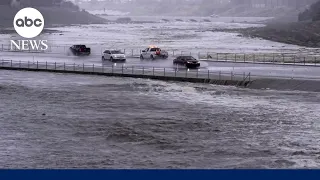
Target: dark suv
<point>188,61</point>
<point>79,50</point>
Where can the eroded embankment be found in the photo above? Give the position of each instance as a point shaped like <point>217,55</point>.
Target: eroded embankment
<point>300,33</point>
<point>286,84</point>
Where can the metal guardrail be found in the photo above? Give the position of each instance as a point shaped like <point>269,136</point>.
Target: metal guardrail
<point>146,71</point>
<point>270,58</point>
<point>125,70</point>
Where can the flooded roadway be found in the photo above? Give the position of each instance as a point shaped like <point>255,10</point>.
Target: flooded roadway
<point>52,120</point>
<point>73,121</point>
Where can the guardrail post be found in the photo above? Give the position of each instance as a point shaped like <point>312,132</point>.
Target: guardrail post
<point>164,72</point>
<point>11,63</point>
<point>28,64</point>
<point>64,66</point>
<point>37,65</point>
<point>208,74</point>
<point>142,70</point>
<point>283,58</point>
<point>244,57</point>
<point>187,72</point>
<point>93,68</point>
<point>55,65</point>
<point>273,58</point>
<point>294,59</point>
<point>235,57</point>
<point>74,66</point>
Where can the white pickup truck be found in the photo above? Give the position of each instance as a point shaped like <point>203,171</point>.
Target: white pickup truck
<point>154,52</point>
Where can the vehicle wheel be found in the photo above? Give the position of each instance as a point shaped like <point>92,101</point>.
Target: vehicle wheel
<point>141,57</point>
<point>111,59</point>
<point>152,57</point>
<point>102,58</point>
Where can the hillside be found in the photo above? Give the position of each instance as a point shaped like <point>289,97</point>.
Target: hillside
<point>311,14</point>
<point>52,16</point>
<point>300,33</point>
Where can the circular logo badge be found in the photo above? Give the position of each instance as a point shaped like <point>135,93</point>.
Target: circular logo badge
<point>28,22</point>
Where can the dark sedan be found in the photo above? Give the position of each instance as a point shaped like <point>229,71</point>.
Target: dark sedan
<point>188,61</point>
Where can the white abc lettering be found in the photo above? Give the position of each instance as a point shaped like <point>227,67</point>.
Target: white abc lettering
<point>28,22</point>
<point>16,45</point>
<point>34,44</point>
<point>26,45</point>
<point>44,44</point>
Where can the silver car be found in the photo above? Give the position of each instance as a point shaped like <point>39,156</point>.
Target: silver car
<point>113,55</point>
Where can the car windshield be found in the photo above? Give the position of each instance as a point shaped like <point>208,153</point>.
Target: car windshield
<point>155,49</point>
<point>116,52</point>
<point>189,58</point>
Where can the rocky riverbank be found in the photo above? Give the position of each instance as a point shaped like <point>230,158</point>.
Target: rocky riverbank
<point>301,33</point>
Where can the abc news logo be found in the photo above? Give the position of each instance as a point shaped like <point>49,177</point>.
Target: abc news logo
<point>29,23</point>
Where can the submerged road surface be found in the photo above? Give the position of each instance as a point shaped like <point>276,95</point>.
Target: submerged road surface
<point>52,120</point>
